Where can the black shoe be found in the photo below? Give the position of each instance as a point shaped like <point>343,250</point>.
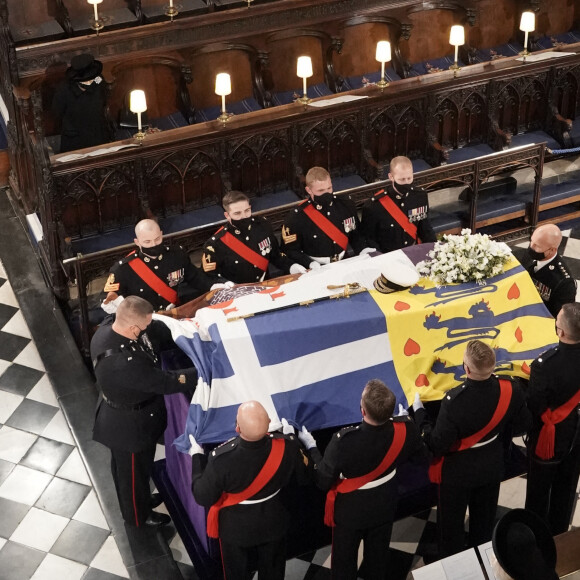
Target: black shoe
<point>157,519</point>
<point>156,500</point>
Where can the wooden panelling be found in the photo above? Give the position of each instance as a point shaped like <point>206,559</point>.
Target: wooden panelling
<point>496,23</point>
<point>429,41</point>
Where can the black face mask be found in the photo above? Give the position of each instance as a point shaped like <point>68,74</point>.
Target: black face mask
<point>324,199</point>
<point>403,188</point>
<point>153,251</point>
<point>535,255</point>
<point>242,223</point>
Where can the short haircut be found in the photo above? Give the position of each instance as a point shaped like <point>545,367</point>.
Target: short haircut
<point>233,197</point>
<point>378,401</point>
<point>316,174</point>
<point>480,357</point>
<point>399,161</point>
<point>571,318</point>
<point>134,307</point>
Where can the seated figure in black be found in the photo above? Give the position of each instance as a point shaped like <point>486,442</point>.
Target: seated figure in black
<point>79,104</point>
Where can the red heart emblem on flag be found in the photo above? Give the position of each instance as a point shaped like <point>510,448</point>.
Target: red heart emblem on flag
<point>513,292</point>
<point>411,348</point>
<point>422,381</point>
<point>401,306</point>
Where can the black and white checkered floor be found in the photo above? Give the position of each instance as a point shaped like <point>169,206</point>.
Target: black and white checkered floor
<point>51,524</point>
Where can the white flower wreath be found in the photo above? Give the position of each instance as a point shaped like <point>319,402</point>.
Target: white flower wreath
<point>464,258</point>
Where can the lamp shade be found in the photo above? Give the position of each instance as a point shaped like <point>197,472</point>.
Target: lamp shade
<point>137,102</point>
<point>223,84</point>
<point>528,22</point>
<point>457,35</point>
<point>94,1</point>
<point>304,67</point>
<point>383,53</point>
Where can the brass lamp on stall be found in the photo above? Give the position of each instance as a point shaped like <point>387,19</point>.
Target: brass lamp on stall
<point>304,71</point>
<point>138,105</point>
<point>171,10</point>
<point>223,87</point>
<point>527,25</point>
<point>383,55</point>
<point>96,22</point>
<point>456,39</point>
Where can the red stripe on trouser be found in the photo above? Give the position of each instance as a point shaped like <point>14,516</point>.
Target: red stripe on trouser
<point>133,488</point>
<point>222,557</point>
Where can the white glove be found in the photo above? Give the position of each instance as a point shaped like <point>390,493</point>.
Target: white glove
<point>195,447</point>
<point>402,411</point>
<point>417,403</point>
<point>297,269</point>
<point>287,429</point>
<point>222,286</point>
<point>367,251</point>
<point>314,265</point>
<point>170,306</point>
<point>111,307</point>
<point>305,437</point>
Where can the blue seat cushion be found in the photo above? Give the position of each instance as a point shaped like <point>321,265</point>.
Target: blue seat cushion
<point>534,137</point>
<point>419,165</point>
<point>448,216</point>
<point>347,182</point>
<point>239,108</point>
<point>499,206</point>
<point>270,200</point>
<point>287,97</point>
<point>501,51</point>
<point>433,66</point>
<point>575,132</point>
<point>469,152</point>
<point>556,40</point>
<point>357,82</point>
<point>172,121</point>
<point>559,191</point>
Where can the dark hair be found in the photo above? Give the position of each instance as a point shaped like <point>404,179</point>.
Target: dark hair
<point>233,197</point>
<point>378,401</point>
<point>571,316</point>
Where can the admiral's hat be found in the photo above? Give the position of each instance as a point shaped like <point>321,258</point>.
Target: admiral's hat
<point>399,277</point>
<point>524,546</point>
<point>83,67</point>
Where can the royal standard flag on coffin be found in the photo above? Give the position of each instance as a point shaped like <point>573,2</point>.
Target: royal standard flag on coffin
<point>429,328</point>
<point>309,364</point>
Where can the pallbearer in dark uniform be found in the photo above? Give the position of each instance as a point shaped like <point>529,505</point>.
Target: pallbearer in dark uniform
<point>358,471</point>
<point>241,482</point>
<point>548,271</point>
<point>243,249</point>
<point>467,442</point>
<point>161,274</point>
<point>554,441</point>
<point>397,217</point>
<point>323,228</point>
<point>131,414</point>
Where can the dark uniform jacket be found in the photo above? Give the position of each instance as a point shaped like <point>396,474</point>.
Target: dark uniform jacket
<point>465,410</point>
<point>355,451</point>
<point>221,263</point>
<point>231,468</point>
<point>554,379</point>
<point>555,284</point>
<point>303,240</point>
<point>130,377</point>
<point>172,266</point>
<point>82,114</point>
<point>382,230</point>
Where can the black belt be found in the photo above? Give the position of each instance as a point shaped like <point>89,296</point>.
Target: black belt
<point>123,407</point>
